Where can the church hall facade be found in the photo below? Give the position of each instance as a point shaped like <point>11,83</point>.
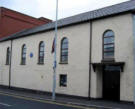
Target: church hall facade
<point>95,55</point>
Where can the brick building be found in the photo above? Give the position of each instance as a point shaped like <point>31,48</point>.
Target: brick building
<point>12,21</point>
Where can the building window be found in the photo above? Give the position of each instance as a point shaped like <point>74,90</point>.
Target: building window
<point>23,58</point>
<point>8,56</point>
<point>64,50</point>
<point>63,80</point>
<point>41,53</point>
<point>108,45</point>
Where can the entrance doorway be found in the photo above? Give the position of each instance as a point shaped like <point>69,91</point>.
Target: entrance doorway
<point>111,83</point>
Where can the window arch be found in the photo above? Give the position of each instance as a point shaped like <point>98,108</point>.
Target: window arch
<point>108,45</point>
<point>64,50</point>
<point>41,53</point>
<point>23,57</point>
<point>8,56</point>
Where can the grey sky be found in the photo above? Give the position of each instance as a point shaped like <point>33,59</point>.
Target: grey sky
<point>46,8</point>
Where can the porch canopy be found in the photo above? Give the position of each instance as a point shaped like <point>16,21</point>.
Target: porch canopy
<point>119,65</point>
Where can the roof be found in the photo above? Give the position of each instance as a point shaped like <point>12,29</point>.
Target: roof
<point>128,6</point>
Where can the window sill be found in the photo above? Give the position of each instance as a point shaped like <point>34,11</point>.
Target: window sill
<point>40,63</point>
<point>63,86</point>
<point>63,62</point>
<point>108,60</point>
<point>22,64</point>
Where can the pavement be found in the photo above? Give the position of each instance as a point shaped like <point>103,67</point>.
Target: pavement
<point>97,104</point>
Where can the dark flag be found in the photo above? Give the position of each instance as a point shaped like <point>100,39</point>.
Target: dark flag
<point>53,46</point>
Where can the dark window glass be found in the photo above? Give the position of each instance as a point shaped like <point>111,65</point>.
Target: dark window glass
<point>23,58</point>
<point>41,53</point>
<point>108,45</point>
<point>108,40</point>
<point>8,56</point>
<point>63,80</point>
<point>64,50</point>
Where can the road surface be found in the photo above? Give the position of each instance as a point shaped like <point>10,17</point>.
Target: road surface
<point>17,102</point>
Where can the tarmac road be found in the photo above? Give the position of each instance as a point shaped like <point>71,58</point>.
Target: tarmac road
<point>17,102</point>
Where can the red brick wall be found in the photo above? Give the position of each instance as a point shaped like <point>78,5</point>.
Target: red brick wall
<point>12,22</point>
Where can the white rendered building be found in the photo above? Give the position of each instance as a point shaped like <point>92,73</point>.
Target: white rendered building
<point>95,55</point>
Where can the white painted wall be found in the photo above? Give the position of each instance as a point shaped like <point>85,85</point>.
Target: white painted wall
<point>4,69</point>
<point>122,27</point>
<point>39,77</point>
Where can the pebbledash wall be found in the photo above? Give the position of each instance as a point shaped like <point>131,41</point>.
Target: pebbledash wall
<point>39,77</point>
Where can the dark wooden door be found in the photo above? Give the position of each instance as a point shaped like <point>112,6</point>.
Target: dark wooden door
<point>111,85</point>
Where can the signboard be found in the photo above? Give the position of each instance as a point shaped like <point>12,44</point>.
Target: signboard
<point>31,55</point>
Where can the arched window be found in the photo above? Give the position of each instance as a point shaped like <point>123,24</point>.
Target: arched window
<point>64,50</point>
<point>41,53</point>
<point>23,58</point>
<point>8,56</point>
<point>108,45</point>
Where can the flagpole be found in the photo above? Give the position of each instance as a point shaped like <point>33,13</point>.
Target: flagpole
<point>55,56</point>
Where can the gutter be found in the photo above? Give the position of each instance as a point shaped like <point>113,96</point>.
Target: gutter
<point>90,57</point>
<point>134,58</point>
<point>10,65</point>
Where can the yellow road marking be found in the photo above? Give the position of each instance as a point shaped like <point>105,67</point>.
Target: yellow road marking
<point>4,104</point>
<point>44,101</point>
